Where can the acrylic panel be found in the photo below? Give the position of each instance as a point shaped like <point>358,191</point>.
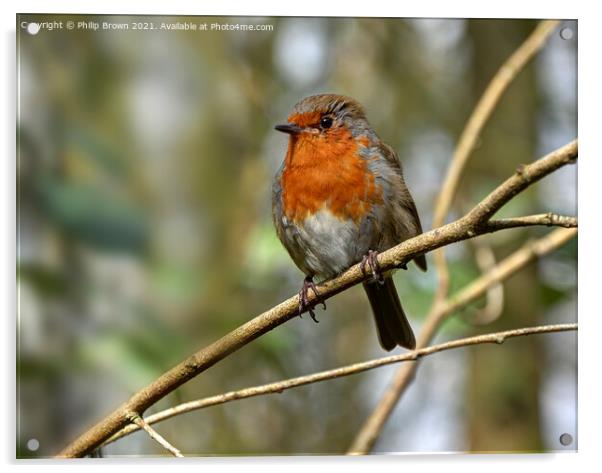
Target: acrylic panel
<point>146,156</point>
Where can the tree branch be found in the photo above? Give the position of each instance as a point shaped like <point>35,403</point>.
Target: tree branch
<point>467,227</point>
<point>280,386</point>
<point>156,436</point>
<point>369,433</point>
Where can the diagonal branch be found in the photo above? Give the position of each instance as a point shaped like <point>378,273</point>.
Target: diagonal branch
<point>467,227</point>
<point>524,176</point>
<point>280,386</point>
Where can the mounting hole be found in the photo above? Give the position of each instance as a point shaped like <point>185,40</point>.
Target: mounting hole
<point>566,439</point>
<point>33,28</point>
<point>33,445</point>
<point>566,33</point>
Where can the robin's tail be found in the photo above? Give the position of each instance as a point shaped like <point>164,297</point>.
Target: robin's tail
<point>391,322</point>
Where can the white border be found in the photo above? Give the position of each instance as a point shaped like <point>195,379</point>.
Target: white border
<point>377,8</point>
<point>589,205</point>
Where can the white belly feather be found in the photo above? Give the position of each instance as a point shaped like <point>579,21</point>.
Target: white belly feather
<point>326,243</point>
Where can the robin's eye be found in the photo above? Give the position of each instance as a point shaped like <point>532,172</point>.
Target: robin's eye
<point>325,122</point>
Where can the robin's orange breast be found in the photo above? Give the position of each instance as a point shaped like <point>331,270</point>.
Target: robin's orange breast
<point>327,172</point>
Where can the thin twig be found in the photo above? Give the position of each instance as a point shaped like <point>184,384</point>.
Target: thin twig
<point>494,298</point>
<point>373,426</point>
<point>280,386</point>
<point>469,226</point>
<point>517,260</point>
<point>156,436</point>
<point>549,219</point>
<point>486,259</point>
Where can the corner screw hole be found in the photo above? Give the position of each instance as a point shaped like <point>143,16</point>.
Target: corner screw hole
<point>33,445</point>
<point>566,33</point>
<point>566,439</point>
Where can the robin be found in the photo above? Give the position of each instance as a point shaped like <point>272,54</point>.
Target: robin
<point>339,198</point>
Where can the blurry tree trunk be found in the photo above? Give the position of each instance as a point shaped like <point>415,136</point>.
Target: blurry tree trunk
<point>503,387</point>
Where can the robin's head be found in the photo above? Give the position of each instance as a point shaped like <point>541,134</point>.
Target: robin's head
<point>326,116</point>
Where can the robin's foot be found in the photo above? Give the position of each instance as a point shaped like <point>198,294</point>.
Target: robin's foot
<point>304,304</point>
<point>371,261</point>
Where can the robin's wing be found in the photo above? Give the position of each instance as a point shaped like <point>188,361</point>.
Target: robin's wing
<point>406,201</point>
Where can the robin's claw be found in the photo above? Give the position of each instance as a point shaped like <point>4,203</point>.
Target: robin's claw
<point>304,303</point>
<point>371,260</point>
<point>313,315</point>
<point>363,265</point>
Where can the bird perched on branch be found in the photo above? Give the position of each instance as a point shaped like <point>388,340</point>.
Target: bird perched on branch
<point>338,199</point>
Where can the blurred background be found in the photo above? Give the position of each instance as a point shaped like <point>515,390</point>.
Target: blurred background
<point>145,161</point>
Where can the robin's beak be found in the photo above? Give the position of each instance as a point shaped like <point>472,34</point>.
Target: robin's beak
<point>289,128</point>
